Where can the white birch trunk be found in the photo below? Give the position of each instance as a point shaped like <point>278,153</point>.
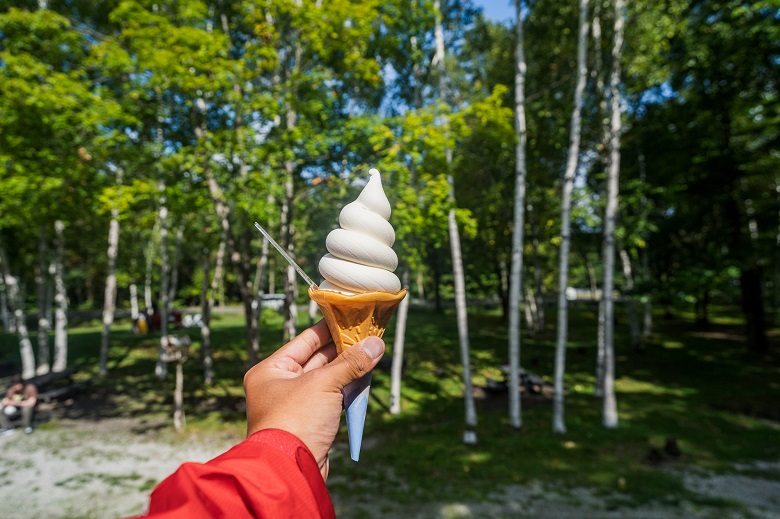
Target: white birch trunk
<point>175,268</point>
<point>219,270</point>
<point>16,303</point>
<point>5,315</point>
<point>134,310</point>
<point>161,369</point>
<point>470,433</point>
<point>206,303</point>
<point>109,300</point>
<point>396,370</point>
<point>531,312</point>
<point>610,413</point>
<point>61,301</point>
<point>516,275</point>
<point>260,280</point>
<point>149,257</point>
<point>601,352</point>
<point>290,306</point>
<point>420,286</point>
<point>25,345</point>
<point>42,280</point>
<point>559,425</point>
<point>178,398</point>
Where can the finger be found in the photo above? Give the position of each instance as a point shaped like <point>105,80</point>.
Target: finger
<point>354,362</point>
<point>321,358</point>
<point>302,347</point>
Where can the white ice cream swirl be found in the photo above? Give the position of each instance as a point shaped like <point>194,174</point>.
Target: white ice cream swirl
<point>360,258</point>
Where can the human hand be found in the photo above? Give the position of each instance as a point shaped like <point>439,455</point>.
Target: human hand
<point>298,388</point>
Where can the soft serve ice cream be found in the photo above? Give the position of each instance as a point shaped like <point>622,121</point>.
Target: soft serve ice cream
<point>360,292</point>
<point>360,258</point>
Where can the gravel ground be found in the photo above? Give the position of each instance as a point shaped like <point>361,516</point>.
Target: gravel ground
<point>106,469</point>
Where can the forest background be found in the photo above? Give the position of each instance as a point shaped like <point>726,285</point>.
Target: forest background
<point>140,140</point>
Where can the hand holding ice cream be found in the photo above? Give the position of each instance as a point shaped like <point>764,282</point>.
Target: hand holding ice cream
<point>360,292</point>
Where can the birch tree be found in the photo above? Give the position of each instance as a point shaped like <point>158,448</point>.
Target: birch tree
<point>44,324</point>
<point>109,299</point>
<point>461,310</point>
<point>515,276</point>
<point>61,300</point>
<point>609,411</point>
<point>396,369</point>
<point>17,307</point>
<point>161,369</point>
<point>559,425</point>
<point>206,304</point>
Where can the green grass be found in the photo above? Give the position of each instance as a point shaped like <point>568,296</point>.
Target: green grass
<point>700,386</point>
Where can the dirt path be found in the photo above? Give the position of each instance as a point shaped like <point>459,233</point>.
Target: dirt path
<point>106,469</point>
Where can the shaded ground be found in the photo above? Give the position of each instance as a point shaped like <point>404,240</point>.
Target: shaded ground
<point>101,468</point>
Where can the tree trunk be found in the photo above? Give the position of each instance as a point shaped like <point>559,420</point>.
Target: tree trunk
<point>161,369</point>
<point>175,268</point>
<point>470,433</point>
<point>288,230</point>
<point>206,303</point>
<point>559,424</point>
<point>109,299</point>
<point>610,413</point>
<point>5,315</point>
<point>502,273</point>
<point>516,274</point>
<point>25,345</point>
<point>601,352</point>
<point>149,257</point>
<point>237,256</point>
<point>16,303</point>
<point>61,300</point>
<point>396,371</point>
<point>259,286</point>
<point>44,325</point>
<point>420,286</point>
<point>531,312</point>
<point>134,310</point>
<point>178,398</point>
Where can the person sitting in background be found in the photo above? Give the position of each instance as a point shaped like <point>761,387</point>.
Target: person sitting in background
<point>20,397</point>
<point>293,407</point>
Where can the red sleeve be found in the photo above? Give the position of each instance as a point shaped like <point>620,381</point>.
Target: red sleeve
<point>270,474</point>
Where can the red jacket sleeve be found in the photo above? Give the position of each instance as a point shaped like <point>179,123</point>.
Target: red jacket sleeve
<point>270,474</point>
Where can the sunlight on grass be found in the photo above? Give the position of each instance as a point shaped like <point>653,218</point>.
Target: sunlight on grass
<point>630,385</point>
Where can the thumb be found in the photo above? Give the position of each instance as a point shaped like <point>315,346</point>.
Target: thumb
<point>355,362</point>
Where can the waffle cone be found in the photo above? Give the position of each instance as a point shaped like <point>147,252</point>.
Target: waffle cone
<point>352,318</point>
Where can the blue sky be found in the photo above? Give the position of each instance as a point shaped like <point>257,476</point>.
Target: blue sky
<point>499,10</point>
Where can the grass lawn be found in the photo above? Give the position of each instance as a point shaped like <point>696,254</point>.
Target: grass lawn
<point>698,385</point>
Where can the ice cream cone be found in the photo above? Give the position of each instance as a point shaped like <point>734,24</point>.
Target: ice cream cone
<point>350,319</point>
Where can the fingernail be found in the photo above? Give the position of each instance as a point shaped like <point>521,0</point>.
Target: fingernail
<point>374,346</point>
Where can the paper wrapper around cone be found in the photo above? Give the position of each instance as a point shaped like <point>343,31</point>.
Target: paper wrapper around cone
<point>353,318</point>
